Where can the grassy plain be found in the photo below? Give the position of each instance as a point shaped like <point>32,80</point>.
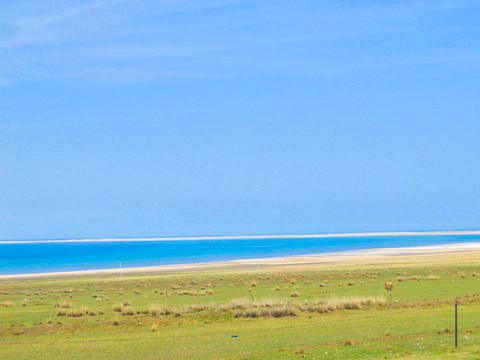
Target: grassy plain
<point>327,311</point>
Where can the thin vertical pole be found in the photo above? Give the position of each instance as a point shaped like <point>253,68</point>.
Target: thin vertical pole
<point>456,329</point>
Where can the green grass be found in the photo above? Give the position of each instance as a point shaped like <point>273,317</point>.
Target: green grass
<point>337,312</point>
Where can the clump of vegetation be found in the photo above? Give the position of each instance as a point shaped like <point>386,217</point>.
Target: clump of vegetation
<point>76,312</point>
<point>155,310</point>
<point>118,308</point>
<point>200,307</point>
<point>128,312</point>
<point>8,304</point>
<point>432,277</point>
<point>63,305</point>
<point>334,304</point>
<point>294,294</point>
<point>274,312</point>
<point>250,313</point>
<point>187,292</point>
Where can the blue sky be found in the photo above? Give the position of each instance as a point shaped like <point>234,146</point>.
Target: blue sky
<point>136,118</point>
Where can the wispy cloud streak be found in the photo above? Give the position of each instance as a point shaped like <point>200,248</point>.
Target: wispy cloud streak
<point>130,40</point>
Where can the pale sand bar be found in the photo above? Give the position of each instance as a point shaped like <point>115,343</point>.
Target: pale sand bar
<point>251,237</point>
<point>450,253</point>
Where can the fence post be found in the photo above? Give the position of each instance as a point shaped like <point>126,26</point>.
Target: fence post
<point>456,329</point>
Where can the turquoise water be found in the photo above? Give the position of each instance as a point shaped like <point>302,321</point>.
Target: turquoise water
<point>47,257</point>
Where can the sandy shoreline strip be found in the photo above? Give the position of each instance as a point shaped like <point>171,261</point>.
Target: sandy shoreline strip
<point>251,237</point>
<point>344,257</point>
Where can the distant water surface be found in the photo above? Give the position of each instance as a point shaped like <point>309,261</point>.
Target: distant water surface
<point>70,256</point>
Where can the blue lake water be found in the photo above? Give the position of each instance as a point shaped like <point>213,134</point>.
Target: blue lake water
<point>49,257</point>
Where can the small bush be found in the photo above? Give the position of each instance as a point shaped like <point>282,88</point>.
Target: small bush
<point>294,294</point>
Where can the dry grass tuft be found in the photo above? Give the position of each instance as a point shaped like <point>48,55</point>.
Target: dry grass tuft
<point>186,292</point>
<point>8,304</point>
<point>194,308</point>
<point>155,310</point>
<point>446,331</point>
<point>128,312</point>
<point>333,304</point>
<point>76,312</point>
<point>64,305</point>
